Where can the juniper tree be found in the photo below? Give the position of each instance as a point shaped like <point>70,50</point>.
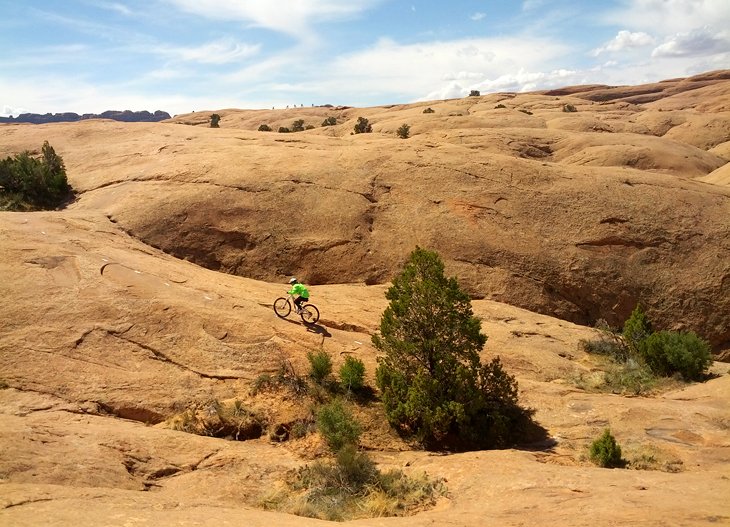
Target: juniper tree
<point>433,383</point>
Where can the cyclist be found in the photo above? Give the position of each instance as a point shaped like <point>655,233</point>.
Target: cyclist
<point>301,291</point>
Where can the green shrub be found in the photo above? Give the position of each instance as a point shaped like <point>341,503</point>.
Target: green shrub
<point>432,381</point>
<point>320,365</point>
<point>363,126</point>
<point>28,183</point>
<point>337,426</point>
<point>298,125</point>
<point>569,108</point>
<point>284,130</point>
<point>636,329</point>
<point>404,131</point>
<point>265,128</point>
<point>429,110</point>
<point>474,93</point>
<point>499,106</point>
<point>670,352</point>
<point>329,121</point>
<point>352,374</point>
<point>214,119</point>
<point>605,452</point>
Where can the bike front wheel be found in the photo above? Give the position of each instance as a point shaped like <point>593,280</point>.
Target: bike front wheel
<point>282,307</point>
<point>310,314</point>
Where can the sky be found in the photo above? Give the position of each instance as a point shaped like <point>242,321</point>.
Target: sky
<point>88,56</point>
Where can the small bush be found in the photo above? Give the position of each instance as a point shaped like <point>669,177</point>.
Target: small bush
<point>284,130</point>
<point>605,452</point>
<point>404,131</point>
<point>363,126</point>
<point>309,127</point>
<point>670,352</point>
<point>298,125</point>
<point>499,106</point>
<point>569,108</point>
<point>352,374</point>
<point>429,110</point>
<point>329,121</point>
<point>528,112</point>
<point>474,93</point>
<point>265,128</point>
<point>610,343</point>
<point>337,426</point>
<point>320,365</point>
<point>214,119</point>
<point>636,329</point>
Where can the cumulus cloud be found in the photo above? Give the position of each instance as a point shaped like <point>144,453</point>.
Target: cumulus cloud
<point>477,16</point>
<point>431,67</point>
<point>287,16</point>
<point>695,43</point>
<point>624,40</point>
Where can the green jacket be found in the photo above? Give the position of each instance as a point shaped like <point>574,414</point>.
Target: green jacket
<point>300,290</point>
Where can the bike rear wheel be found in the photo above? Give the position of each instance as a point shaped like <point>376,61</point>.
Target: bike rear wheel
<point>282,307</point>
<point>310,314</point>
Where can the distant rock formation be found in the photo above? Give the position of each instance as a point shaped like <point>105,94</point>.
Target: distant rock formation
<point>126,116</point>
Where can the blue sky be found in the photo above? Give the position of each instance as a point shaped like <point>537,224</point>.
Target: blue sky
<point>183,55</point>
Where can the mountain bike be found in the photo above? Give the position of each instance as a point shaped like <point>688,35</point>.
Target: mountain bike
<point>283,306</point>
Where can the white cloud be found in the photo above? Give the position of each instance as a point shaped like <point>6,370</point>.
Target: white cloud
<point>670,16</point>
<point>115,6</point>
<point>287,16</point>
<point>624,40</point>
<point>530,5</point>
<point>700,42</point>
<point>477,16</point>
<point>220,51</point>
<point>9,111</point>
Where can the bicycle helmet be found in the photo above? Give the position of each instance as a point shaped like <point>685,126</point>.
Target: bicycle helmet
<point>293,280</point>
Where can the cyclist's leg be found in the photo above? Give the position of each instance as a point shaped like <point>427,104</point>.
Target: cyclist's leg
<point>298,303</point>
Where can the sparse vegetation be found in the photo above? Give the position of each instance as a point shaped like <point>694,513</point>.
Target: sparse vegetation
<point>214,120</point>
<point>217,419</point>
<point>32,183</point>
<point>4,385</point>
<point>434,386</point>
<point>350,486</point>
<point>528,112</point>
<point>286,377</point>
<point>569,108</point>
<point>605,452</point>
<point>352,374</point>
<point>474,93</point>
<point>404,131</point>
<point>329,121</point>
<point>265,128</point>
<point>284,130</point>
<point>298,125</point>
<point>499,106</point>
<point>643,360</point>
<point>363,126</point>
<point>429,110</point>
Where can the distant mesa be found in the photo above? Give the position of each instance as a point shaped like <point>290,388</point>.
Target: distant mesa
<point>126,116</point>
